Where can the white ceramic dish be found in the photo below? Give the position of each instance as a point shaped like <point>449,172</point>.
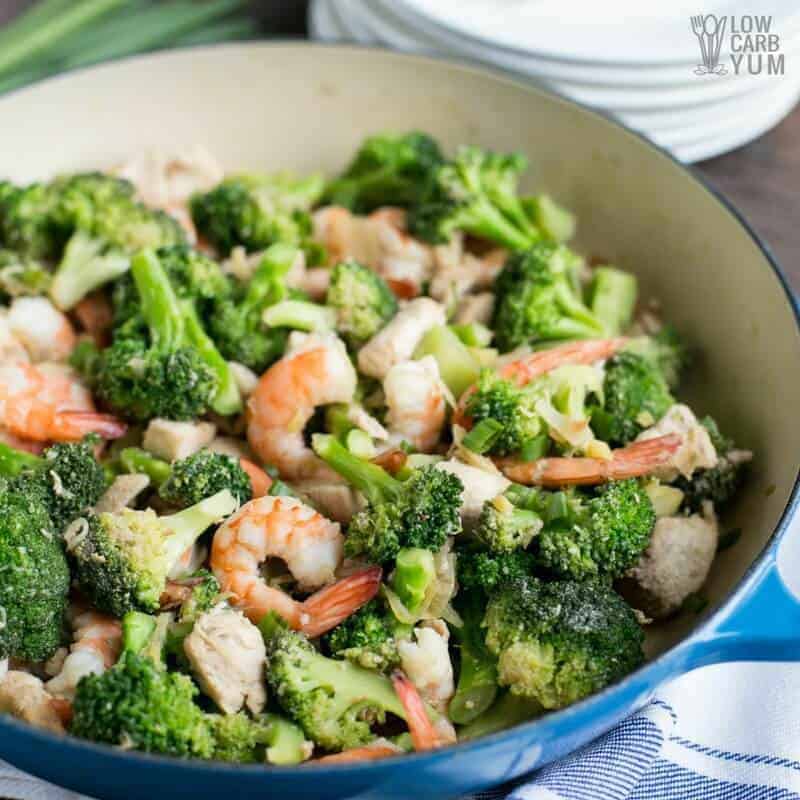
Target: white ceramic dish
<point>622,32</point>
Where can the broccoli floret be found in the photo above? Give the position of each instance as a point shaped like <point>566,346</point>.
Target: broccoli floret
<point>667,350</point>
<point>421,511</point>
<point>480,571</point>
<point>388,170</point>
<point>255,211</point>
<point>537,299</point>
<point>203,474</point>
<point>336,703</point>
<point>27,223</point>
<point>599,536</point>
<point>68,477</point>
<point>236,322</point>
<point>558,642</point>
<point>177,373</point>
<point>503,527</point>
<point>20,275</point>
<point>477,672</point>
<point>475,193</point>
<point>720,483</point>
<point>367,638</point>
<point>36,578</point>
<point>362,300</point>
<point>636,396</point>
<point>513,407</point>
<point>122,560</point>
<point>205,594</point>
<point>137,704</point>
<point>253,740</point>
<point>106,226</point>
<point>193,275</point>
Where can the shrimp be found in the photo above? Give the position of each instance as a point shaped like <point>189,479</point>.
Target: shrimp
<point>317,372</point>
<point>379,241</point>
<point>522,371</point>
<point>633,461</point>
<point>415,401</point>
<point>45,332</point>
<point>380,748</point>
<point>97,642</point>
<point>423,733</point>
<point>48,403</point>
<point>309,544</point>
<point>259,480</point>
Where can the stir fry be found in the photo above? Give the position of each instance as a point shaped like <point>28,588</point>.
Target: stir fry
<point>301,469</point>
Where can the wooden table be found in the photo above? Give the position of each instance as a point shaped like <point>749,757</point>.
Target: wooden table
<point>762,179</point>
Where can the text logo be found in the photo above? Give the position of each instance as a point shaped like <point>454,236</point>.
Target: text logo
<point>746,44</point>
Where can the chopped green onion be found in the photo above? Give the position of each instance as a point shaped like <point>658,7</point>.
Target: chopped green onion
<point>534,448</point>
<point>482,436</point>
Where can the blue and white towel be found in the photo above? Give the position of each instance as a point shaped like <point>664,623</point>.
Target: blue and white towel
<point>728,732</point>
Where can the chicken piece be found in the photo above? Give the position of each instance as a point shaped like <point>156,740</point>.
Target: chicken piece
<point>168,180</point>
<point>227,655</point>
<point>43,330</point>
<point>696,450</point>
<point>479,486</point>
<point>361,418</point>
<point>121,493</point>
<point>23,696</point>
<point>232,446</point>
<point>457,272</point>
<point>397,341</point>
<point>475,308</point>
<point>426,661</point>
<point>337,501</point>
<point>172,440</point>
<point>378,241</point>
<point>675,565</point>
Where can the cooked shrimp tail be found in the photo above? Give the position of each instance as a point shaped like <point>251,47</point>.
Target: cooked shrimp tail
<point>74,425</point>
<point>330,606</point>
<point>635,460</point>
<point>423,734</point>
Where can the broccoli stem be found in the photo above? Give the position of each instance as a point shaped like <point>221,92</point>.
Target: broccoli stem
<point>613,297</point>
<point>373,482</point>
<point>173,323</point>
<point>457,366</point>
<point>227,399</point>
<point>414,572</point>
<point>136,460</point>
<point>337,421</point>
<point>477,677</point>
<point>266,285</point>
<point>137,628</point>
<point>187,526</point>
<point>300,315</point>
<point>552,219</point>
<point>581,323</point>
<point>12,461</point>
<point>507,711</point>
<point>83,269</point>
<point>287,744</point>
<point>160,307</point>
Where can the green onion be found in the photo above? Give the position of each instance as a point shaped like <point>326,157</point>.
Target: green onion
<point>482,436</point>
<point>54,28</point>
<point>534,448</point>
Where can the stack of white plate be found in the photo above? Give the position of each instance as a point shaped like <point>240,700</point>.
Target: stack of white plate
<point>657,66</point>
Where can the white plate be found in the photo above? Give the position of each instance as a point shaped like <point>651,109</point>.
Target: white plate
<point>699,151</point>
<point>402,28</point>
<point>615,32</point>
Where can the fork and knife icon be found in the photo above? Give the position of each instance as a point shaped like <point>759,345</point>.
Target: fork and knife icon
<point>709,30</point>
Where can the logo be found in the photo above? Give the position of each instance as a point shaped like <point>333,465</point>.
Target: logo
<point>747,44</point>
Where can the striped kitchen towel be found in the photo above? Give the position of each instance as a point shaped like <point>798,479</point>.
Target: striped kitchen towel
<point>728,732</point>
